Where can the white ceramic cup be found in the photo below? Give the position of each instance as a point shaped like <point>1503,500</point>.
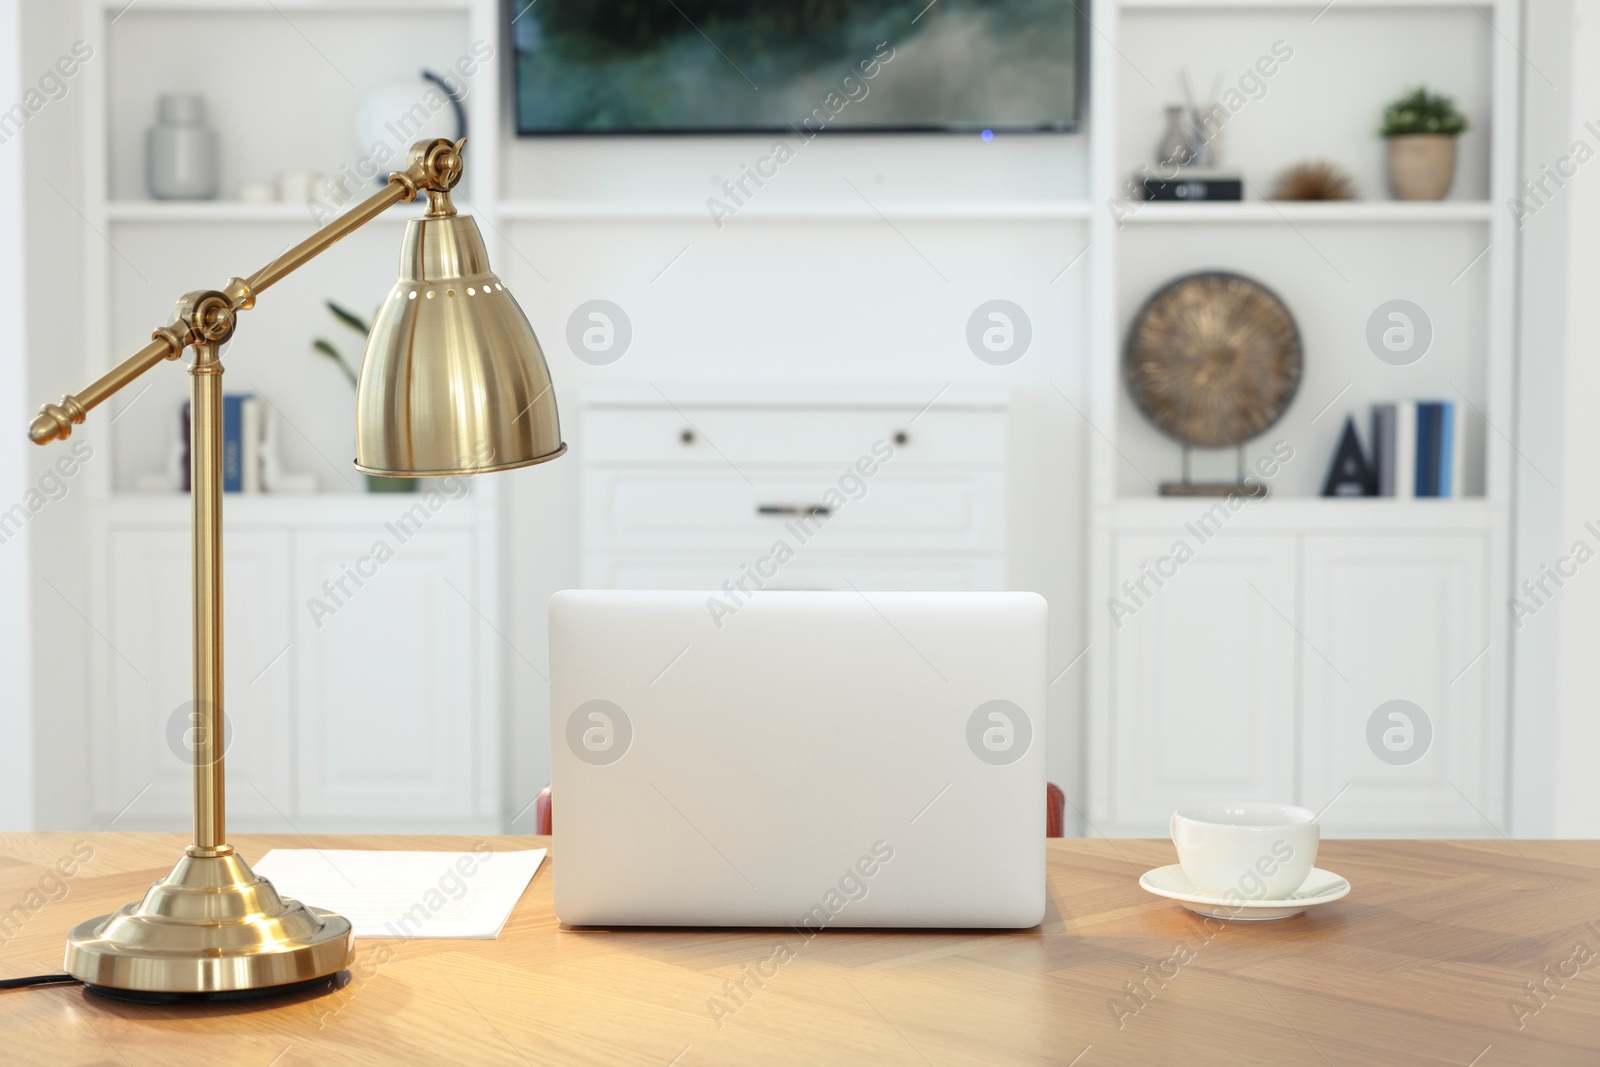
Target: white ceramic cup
<point>1246,851</point>
<point>258,192</point>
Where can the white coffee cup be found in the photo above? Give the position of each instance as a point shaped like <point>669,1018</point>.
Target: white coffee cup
<point>258,193</point>
<point>1246,851</point>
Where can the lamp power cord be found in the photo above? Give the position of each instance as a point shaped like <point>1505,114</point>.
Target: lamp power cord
<point>38,979</point>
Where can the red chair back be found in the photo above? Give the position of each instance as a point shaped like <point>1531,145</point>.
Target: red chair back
<point>541,813</point>
<point>1055,811</point>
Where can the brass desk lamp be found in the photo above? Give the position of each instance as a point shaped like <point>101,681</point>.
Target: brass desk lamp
<point>453,382</point>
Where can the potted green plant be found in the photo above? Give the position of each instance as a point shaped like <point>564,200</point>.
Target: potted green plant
<point>327,348</point>
<point>1421,128</point>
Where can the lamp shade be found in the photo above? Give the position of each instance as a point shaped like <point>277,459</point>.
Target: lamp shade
<point>453,380</point>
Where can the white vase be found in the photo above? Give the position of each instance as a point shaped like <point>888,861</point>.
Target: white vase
<point>182,150</point>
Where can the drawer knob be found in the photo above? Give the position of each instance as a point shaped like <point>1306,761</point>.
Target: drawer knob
<point>687,437</point>
<point>794,509</point>
<point>901,437</point>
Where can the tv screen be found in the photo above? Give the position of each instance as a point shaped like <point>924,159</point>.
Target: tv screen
<point>727,66</point>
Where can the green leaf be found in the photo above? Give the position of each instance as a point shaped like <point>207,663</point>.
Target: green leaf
<point>349,318</point>
<point>323,348</point>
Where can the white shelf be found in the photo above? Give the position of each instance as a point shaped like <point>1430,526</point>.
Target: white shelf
<point>1340,212</point>
<point>1298,514</point>
<point>376,8</point>
<point>282,510</point>
<point>1134,6</point>
<point>840,211</point>
<point>169,211</point>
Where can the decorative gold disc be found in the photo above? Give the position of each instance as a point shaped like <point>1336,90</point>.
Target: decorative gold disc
<point>1213,359</point>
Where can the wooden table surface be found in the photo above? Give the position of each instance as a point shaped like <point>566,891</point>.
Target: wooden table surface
<point>1463,952</point>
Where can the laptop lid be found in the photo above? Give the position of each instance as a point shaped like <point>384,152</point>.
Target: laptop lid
<point>804,759</point>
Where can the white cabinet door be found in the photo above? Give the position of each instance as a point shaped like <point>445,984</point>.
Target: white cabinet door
<point>144,771</point>
<point>1203,676</point>
<point>388,681</point>
<point>1399,618</point>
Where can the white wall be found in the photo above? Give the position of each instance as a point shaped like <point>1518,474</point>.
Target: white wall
<point>16,690</point>
<point>1575,785</point>
<point>52,235</point>
<point>1555,730</point>
<point>1540,361</point>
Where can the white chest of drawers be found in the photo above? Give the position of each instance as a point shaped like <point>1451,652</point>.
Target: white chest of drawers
<point>793,487</point>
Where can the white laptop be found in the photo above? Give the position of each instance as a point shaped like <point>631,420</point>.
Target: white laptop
<point>807,759</point>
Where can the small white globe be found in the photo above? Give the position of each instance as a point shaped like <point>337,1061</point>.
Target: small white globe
<point>398,115</point>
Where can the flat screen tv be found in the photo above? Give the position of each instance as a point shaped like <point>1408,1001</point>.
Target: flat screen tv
<point>732,66</point>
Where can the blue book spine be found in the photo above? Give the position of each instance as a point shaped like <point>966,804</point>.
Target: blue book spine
<point>233,442</point>
<point>1427,449</point>
<point>1447,443</point>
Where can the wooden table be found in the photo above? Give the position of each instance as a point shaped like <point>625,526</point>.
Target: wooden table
<point>1424,963</point>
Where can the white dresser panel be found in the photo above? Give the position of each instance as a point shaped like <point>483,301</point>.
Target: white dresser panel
<point>890,492</point>
<point>891,511</point>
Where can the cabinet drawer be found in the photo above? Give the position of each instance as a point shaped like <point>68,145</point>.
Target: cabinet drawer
<point>827,511</point>
<point>814,437</point>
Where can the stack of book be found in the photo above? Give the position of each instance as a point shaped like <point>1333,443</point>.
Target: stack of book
<point>1417,448</point>
<point>241,443</point>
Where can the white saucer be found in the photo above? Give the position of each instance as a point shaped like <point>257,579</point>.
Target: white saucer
<point>1322,887</point>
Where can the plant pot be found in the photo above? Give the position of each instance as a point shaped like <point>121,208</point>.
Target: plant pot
<point>1421,165</point>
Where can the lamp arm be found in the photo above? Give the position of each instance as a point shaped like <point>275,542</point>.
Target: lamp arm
<point>208,317</point>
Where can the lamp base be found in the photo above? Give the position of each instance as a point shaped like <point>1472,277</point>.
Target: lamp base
<point>211,926</point>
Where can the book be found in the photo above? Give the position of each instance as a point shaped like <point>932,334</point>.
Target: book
<point>1430,420</point>
<point>1383,416</point>
<point>1458,454</point>
<point>1405,449</point>
<point>250,437</point>
<point>185,437</point>
<point>1447,449</point>
<point>232,442</point>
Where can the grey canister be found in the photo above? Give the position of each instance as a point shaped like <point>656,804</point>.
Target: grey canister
<point>181,150</point>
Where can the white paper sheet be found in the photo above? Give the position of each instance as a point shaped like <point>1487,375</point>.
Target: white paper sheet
<point>406,894</point>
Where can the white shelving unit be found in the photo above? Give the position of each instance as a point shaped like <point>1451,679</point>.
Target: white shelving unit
<point>329,734</point>
<point>1312,5</point>
<point>1251,671</point>
<point>1250,705</point>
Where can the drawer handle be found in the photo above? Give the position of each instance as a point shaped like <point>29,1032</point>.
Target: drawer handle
<point>794,509</point>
